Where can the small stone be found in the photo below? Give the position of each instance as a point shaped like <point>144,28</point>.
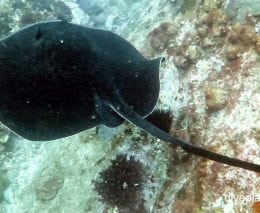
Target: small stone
<point>208,43</point>
<point>48,188</point>
<point>202,19</point>
<point>99,19</point>
<point>181,62</point>
<point>193,53</point>
<point>202,31</point>
<point>216,98</point>
<point>210,5</point>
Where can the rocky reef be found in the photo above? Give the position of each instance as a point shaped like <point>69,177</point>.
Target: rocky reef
<point>209,95</point>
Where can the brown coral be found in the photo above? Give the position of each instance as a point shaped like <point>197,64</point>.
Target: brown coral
<point>247,33</point>
<point>256,207</point>
<point>160,36</point>
<point>233,51</point>
<point>159,42</point>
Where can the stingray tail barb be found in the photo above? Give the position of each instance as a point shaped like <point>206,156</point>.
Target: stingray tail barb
<point>126,112</point>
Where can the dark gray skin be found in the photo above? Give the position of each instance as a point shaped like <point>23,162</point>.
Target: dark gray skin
<point>58,79</point>
<point>52,76</point>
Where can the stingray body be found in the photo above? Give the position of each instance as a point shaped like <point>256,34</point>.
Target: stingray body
<point>58,79</point>
<point>54,75</point>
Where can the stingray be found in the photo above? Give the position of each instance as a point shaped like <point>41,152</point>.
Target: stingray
<point>58,79</point>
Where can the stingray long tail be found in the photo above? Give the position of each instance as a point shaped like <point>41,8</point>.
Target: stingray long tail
<point>123,110</point>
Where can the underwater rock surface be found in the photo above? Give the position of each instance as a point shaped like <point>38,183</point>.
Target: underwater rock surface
<point>209,83</point>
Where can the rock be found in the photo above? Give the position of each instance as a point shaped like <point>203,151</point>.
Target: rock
<point>47,189</point>
<point>90,7</point>
<point>239,9</point>
<point>94,11</point>
<point>231,8</point>
<point>215,98</point>
<point>181,62</point>
<point>99,19</point>
<point>193,53</point>
<point>232,51</point>
<point>4,183</point>
<point>210,5</point>
<point>4,134</point>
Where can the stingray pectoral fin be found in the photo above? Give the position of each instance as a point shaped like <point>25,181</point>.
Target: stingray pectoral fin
<point>123,110</point>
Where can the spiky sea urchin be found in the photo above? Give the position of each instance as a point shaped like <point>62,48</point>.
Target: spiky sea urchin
<point>161,119</point>
<point>121,184</point>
